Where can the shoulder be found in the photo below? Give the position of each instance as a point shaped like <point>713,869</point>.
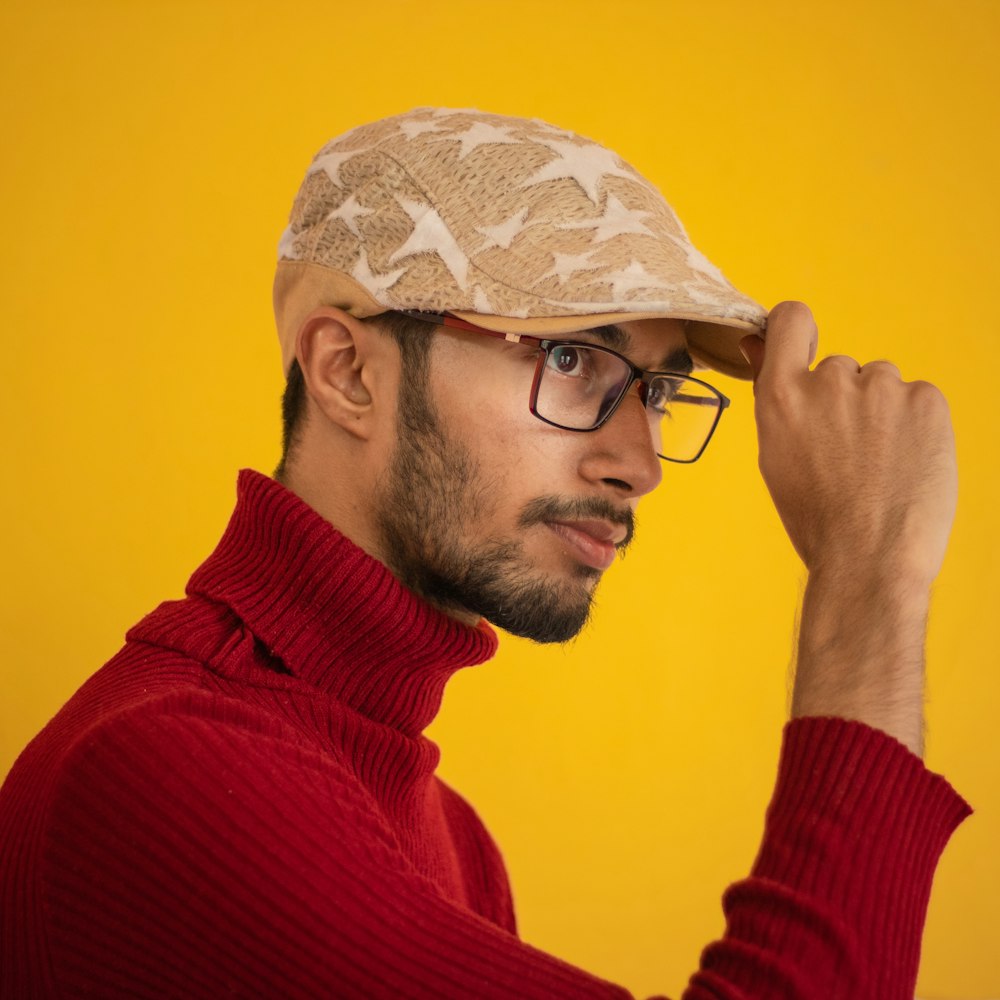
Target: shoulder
<point>195,737</point>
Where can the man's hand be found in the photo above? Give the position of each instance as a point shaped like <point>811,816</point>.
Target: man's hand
<point>861,467</point>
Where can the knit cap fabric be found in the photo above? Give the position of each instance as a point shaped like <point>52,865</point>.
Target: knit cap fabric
<point>509,223</point>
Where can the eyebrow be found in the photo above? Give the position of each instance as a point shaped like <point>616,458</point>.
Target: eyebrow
<point>678,360</point>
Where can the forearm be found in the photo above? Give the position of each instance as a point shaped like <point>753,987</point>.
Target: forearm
<point>861,649</point>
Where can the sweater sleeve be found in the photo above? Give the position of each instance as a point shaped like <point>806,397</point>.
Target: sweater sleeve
<point>835,904</point>
<point>188,856</point>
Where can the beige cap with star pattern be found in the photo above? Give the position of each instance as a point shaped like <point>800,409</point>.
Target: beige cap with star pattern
<point>508,223</point>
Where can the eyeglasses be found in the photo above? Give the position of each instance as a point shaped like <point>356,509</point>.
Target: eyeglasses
<point>578,387</point>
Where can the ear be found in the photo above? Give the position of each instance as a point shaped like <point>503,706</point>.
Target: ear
<point>335,352</point>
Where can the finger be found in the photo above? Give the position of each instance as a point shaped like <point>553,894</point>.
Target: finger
<point>881,368</point>
<point>791,341</point>
<point>849,364</point>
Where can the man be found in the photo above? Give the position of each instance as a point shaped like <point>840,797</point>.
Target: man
<point>489,327</point>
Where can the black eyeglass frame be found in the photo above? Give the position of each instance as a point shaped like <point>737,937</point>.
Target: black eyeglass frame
<point>719,400</point>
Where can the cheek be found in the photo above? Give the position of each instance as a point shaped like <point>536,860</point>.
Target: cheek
<point>517,457</point>
<point>481,411</point>
<point>519,460</point>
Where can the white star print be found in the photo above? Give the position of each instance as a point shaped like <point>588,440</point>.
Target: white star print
<point>584,164</point>
<point>617,220</point>
<point>482,134</point>
<point>630,279</point>
<point>413,129</point>
<point>330,163</point>
<point>480,302</point>
<point>697,261</point>
<point>551,128</point>
<point>431,234</point>
<point>448,112</point>
<point>375,283</point>
<point>566,264</point>
<point>349,212</point>
<point>286,245</point>
<point>504,234</point>
<point>703,295</point>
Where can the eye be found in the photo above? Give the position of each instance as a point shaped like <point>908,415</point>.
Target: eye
<point>661,392</point>
<point>571,361</point>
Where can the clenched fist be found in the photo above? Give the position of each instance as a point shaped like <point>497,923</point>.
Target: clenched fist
<point>861,467</point>
<point>860,464</point>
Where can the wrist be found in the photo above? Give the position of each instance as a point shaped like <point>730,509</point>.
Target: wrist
<point>861,650</point>
<point>890,582</point>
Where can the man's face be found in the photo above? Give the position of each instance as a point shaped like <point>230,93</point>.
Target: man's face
<point>484,509</point>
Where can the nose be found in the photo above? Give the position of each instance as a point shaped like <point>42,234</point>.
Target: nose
<point>621,453</point>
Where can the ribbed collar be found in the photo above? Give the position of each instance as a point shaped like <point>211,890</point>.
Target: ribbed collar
<point>336,617</point>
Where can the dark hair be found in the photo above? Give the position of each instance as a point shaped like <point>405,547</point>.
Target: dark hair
<point>414,339</point>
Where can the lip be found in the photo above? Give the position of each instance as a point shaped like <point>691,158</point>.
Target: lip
<point>594,543</point>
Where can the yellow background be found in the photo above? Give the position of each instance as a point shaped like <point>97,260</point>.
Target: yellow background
<point>841,153</point>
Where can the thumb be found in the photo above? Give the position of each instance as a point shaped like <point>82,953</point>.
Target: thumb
<point>791,342</point>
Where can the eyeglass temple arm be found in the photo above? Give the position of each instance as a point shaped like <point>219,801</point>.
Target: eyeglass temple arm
<point>443,319</point>
<point>721,401</point>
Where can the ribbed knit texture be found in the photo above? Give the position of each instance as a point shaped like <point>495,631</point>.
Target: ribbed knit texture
<point>241,803</point>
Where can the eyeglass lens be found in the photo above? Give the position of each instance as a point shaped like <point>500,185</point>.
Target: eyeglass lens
<point>579,386</point>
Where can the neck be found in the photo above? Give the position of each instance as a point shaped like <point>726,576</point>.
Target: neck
<point>336,484</point>
<point>335,617</point>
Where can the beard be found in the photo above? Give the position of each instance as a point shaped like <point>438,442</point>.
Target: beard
<point>432,492</point>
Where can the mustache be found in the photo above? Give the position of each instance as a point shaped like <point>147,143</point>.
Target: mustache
<point>544,509</point>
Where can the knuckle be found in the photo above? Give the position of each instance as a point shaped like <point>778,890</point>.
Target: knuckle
<point>925,388</point>
<point>839,363</point>
<point>928,395</point>
<point>881,368</point>
<point>777,407</point>
<point>782,395</point>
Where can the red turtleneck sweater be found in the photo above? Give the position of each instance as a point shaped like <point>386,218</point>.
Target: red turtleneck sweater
<point>241,803</point>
